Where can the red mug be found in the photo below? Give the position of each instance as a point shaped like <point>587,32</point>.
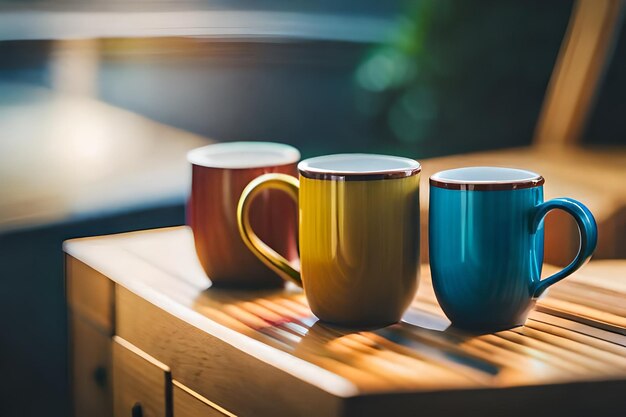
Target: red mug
<point>220,172</point>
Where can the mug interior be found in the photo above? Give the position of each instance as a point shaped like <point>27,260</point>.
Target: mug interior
<point>486,178</point>
<point>358,166</point>
<point>242,155</point>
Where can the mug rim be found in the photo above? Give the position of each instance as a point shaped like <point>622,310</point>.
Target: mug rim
<point>285,154</point>
<point>406,167</point>
<point>525,179</point>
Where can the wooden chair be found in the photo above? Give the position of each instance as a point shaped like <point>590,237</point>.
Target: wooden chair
<point>595,176</point>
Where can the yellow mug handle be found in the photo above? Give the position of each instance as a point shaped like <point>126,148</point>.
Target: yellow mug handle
<point>267,255</point>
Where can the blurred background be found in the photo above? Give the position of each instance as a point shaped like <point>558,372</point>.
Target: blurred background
<point>100,101</point>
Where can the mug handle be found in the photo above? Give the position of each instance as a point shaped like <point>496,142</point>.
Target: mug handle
<point>267,255</point>
<point>588,237</point>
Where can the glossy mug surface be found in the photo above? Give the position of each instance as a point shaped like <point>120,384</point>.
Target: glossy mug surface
<point>486,244</point>
<point>220,172</point>
<point>359,235</point>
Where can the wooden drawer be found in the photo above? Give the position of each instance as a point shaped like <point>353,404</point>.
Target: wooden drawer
<point>89,293</point>
<point>188,403</point>
<point>142,386</point>
<point>90,369</point>
<point>213,368</point>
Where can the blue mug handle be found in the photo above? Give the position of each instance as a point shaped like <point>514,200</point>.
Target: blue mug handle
<point>588,237</point>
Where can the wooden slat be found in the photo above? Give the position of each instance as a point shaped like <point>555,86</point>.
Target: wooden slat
<point>591,297</point>
<point>89,294</point>
<point>584,54</point>
<point>575,328</point>
<point>139,380</point>
<point>90,369</point>
<point>597,353</point>
<point>584,314</point>
<point>595,295</point>
<point>188,403</point>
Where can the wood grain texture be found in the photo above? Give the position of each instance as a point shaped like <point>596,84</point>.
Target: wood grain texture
<point>264,353</point>
<point>139,380</point>
<point>188,403</point>
<point>90,369</point>
<point>231,377</point>
<point>595,295</point>
<point>89,294</point>
<point>585,53</point>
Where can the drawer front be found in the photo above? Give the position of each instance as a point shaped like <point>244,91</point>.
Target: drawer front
<point>142,386</point>
<point>90,366</point>
<point>215,369</point>
<point>89,293</point>
<point>188,403</point>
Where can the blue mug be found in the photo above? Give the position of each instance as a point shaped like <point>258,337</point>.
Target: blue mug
<point>486,244</point>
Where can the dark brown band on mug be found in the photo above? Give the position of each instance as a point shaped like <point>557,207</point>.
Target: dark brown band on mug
<point>365,176</point>
<point>503,186</point>
<point>263,168</point>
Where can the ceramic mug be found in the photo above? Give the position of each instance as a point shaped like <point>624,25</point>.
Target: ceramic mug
<point>486,244</point>
<point>220,172</point>
<point>358,235</point>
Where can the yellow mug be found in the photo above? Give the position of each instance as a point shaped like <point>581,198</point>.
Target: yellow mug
<point>358,235</point>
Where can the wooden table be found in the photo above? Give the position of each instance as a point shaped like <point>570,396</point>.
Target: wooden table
<point>149,337</point>
<point>65,156</point>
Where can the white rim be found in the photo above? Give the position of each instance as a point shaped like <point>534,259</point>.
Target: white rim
<point>394,164</point>
<point>276,154</point>
<point>485,175</point>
